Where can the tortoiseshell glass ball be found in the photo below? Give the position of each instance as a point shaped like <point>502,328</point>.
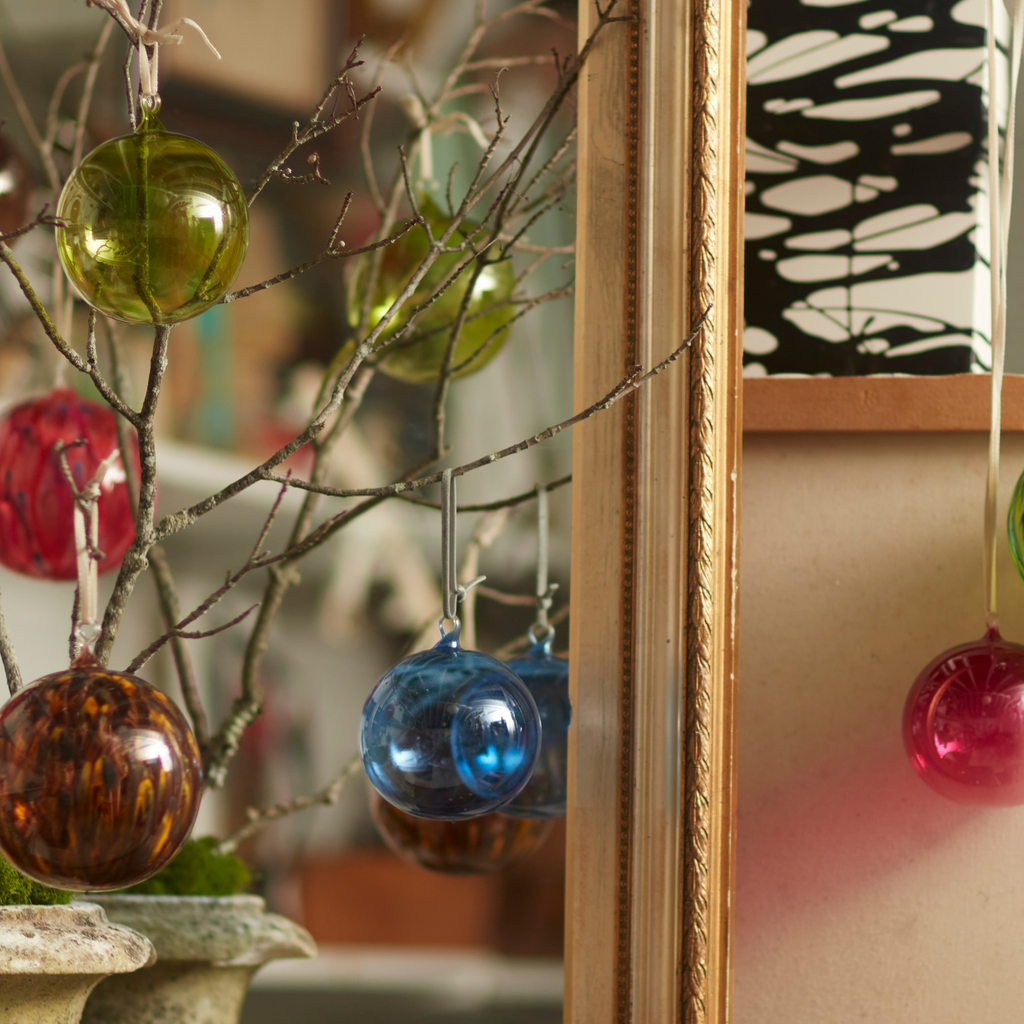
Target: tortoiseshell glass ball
<point>418,356</point>
<point>36,506</point>
<point>547,679</point>
<point>449,733</point>
<point>156,226</point>
<point>476,846</point>
<point>100,779</point>
<point>963,723</point>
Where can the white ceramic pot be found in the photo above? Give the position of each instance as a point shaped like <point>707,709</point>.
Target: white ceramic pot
<point>208,948</point>
<point>51,958</point>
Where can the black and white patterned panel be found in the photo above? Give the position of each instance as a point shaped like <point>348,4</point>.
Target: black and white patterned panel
<point>867,209</point>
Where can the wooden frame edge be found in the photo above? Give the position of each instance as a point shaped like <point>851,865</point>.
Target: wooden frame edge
<point>959,402</point>
<point>653,636</point>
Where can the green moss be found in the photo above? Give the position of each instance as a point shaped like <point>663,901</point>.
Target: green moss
<point>15,888</point>
<point>198,870</point>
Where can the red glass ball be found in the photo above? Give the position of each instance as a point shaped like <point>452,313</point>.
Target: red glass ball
<point>36,507</point>
<point>470,846</point>
<point>963,723</point>
<point>100,779</point>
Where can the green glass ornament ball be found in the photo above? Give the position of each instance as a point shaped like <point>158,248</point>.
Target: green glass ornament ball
<point>417,356</point>
<point>1015,525</point>
<point>154,226</point>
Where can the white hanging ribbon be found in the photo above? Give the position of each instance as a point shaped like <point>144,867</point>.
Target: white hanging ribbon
<point>149,71</point>
<point>1000,197</point>
<point>86,526</point>
<point>458,121</point>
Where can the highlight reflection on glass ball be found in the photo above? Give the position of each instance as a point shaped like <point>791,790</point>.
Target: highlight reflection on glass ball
<point>474,846</point>
<point>156,226</point>
<point>547,679</point>
<point>963,723</point>
<point>100,779</point>
<point>449,733</point>
<point>36,506</point>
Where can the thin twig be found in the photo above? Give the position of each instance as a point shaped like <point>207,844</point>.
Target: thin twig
<point>45,154</point>
<point>42,218</point>
<point>88,89</point>
<point>176,625</point>
<point>170,610</point>
<point>500,597</point>
<point>316,126</point>
<point>333,251</point>
<point>134,562</point>
<point>492,506</point>
<point>104,388</point>
<point>633,380</point>
<point>257,819</point>
<point>364,134</point>
<point>53,111</point>
<point>9,658</point>
<point>197,634</point>
<point>513,647</point>
<point>528,306</point>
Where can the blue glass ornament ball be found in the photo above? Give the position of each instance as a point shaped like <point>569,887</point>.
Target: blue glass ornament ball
<point>547,679</point>
<point>449,733</point>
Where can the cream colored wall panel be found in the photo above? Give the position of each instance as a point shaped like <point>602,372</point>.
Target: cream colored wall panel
<point>861,894</point>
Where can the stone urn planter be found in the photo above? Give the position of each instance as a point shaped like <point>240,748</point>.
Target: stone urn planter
<point>207,947</point>
<point>52,957</point>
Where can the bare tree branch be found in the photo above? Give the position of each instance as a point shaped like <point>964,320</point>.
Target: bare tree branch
<point>633,380</point>
<point>493,506</point>
<point>170,610</point>
<point>88,89</point>
<point>256,819</point>
<point>135,561</point>
<point>316,125</point>
<point>364,134</point>
<point>60,344</point>
<point>182,634</point>
<point>9,658</point>
<point>45,153</point>
<point>333,251</point>
<point>521,643</point>
<point>512,600</point>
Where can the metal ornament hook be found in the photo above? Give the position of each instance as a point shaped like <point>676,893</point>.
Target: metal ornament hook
<point>541,631</point>
<point>452,592</point>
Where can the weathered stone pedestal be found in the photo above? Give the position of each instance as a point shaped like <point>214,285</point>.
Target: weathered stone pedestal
<point>51,958</point>
<point>208,949</point>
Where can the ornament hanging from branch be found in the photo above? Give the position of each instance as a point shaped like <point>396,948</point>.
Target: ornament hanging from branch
<point>547,679</point>
<point>449,733</point>
<point>100,777</point>
<point>963,722</point>
<point>36,504</point>
<point>153,226</point>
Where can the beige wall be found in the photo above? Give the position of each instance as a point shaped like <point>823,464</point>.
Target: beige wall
<point>862,895</point>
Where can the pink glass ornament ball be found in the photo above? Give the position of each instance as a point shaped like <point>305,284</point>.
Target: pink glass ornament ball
<point>36,506</point>
<point>963,723</point>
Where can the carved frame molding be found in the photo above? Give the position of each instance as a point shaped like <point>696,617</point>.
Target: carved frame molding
<point>653,635</point>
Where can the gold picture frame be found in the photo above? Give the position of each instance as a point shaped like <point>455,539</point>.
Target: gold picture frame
<point>655,517</point>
